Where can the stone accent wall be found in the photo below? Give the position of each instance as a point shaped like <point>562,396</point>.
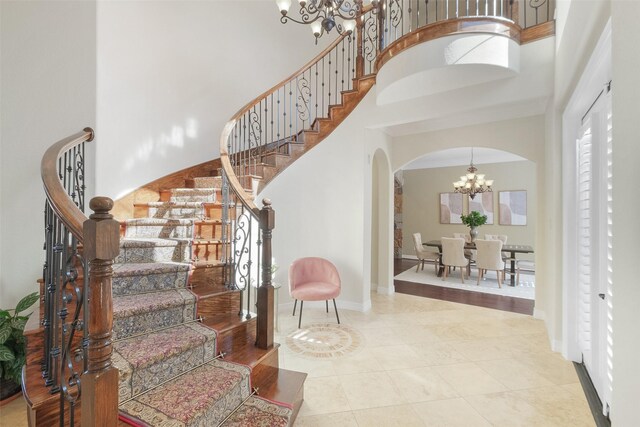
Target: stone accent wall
<point>397,214</point>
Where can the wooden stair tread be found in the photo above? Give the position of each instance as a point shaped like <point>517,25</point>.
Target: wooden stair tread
<point>210,290</point>
<point>227,322</point>
<point>208,264</point>
<point>35,392</point>
<point>280,385</point>
<point>250,355</point>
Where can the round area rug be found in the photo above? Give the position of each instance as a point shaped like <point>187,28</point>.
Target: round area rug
<point>324,341</point>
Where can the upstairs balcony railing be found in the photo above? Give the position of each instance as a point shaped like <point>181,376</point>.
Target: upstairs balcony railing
<point>401,17</point>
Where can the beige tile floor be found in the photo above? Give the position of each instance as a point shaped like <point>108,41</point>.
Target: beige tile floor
<point>429,363</point>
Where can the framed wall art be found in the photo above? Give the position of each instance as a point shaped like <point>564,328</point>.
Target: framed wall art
<point>513,207</point>
<point>450,208</point>
<point>483,203</point>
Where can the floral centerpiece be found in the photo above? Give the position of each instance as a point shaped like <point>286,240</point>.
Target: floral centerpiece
<point>473,220</point>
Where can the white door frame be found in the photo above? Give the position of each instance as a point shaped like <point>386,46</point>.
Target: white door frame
<point>596,74</point>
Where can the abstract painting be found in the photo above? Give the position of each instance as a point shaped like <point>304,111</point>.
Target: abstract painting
<point>483,203</point>
<point>450,208</point>
<point>513,207</point>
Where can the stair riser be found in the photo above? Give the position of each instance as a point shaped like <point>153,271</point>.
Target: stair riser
<point>277,160</point>
<point>173,212</point>
<point>129,285</point>
<point>208,211</point>
<point>219,304</point>
<point>166,231</point>
<point>207,252</point>
<point>207,182</point>
<point>199,195</point>
<point>207,231</point>
<point>179,253</point>
<point>234,339</point>
<point>204,276</point>
<point>146,322</point>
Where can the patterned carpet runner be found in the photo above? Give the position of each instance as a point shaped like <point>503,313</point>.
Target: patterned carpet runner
<point>169,374</point>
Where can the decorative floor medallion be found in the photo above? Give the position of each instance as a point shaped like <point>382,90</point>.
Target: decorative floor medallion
<point>324,341</point>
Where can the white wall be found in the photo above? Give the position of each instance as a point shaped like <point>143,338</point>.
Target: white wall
<point>626,228</point>
<point>48,92</point>
<point>171,73</point>
<point>322,209</point>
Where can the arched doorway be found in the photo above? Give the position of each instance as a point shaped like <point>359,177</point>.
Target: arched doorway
<point>428,179</point>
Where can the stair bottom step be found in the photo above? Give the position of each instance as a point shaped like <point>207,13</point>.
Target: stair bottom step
<point>214,393</point>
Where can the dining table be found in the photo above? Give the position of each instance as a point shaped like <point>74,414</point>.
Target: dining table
<point>511,249</point>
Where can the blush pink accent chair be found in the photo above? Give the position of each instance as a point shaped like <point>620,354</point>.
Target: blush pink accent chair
<point>313,279</point>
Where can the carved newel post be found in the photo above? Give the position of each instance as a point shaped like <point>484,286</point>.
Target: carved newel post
<point>359,43</point>
<point>100,382</point>
<point>265,325</point>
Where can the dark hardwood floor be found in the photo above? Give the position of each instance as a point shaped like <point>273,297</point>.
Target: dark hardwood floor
<point>498,302</point>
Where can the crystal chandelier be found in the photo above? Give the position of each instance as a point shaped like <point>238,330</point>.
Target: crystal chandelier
<point>322,14</point>
<point>472,183</point>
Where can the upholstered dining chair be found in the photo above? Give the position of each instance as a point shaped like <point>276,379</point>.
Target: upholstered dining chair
<point>524,265</point>
<point>314,279</point>
<point>453,255</point>
<point>423,254</point>
<point>469,253</point>
<point>503,238</point>
<point>489,258</point>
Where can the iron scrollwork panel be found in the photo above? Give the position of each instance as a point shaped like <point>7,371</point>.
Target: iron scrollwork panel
<point>64,315</point>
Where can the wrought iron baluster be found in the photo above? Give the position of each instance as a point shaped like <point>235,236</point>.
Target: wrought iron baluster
<point>335,96</point>
<point>343,64</point>
<point>247,286</point>
<point>317,91</point>
<point>426,12</point>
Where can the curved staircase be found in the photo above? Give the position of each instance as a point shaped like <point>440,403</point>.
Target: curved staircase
<point>169,331</point>
<point>168,301</point>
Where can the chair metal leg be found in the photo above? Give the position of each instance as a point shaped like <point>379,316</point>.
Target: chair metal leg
<point>326,303</point>
<point>418,266</point>
<point>300,319</point>
<point>336,308</point>
<point>295,302</point>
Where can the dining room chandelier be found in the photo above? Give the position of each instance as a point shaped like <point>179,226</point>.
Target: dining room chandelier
<point>322,15</point>
<point>472,183</point>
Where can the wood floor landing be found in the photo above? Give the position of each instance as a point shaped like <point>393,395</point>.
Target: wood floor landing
<point>497,302</point>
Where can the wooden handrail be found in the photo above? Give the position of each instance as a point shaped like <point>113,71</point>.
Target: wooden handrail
<point>228,128</point>
<point>63,206</point>
<point>99,235</point>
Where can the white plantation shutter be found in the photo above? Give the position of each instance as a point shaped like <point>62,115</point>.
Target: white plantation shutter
<point>608,259</point>
<point>584,240</point>
<point>594,244</point>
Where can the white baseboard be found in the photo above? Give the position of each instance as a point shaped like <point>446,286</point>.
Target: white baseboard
<point>346,305</point>
<point>539,314</point>
<point>386,291</point>
<point>409,256</point>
